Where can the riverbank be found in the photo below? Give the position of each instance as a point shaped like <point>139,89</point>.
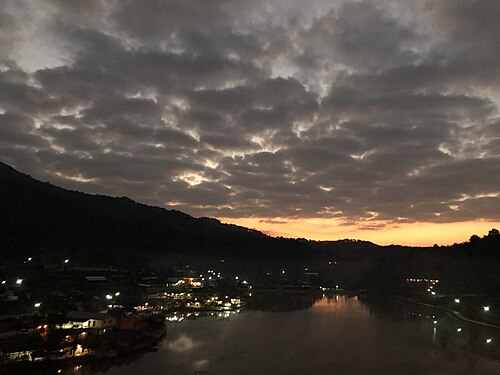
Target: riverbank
<point>451,313</point>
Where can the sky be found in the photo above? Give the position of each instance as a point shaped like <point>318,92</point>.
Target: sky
<point>320,119</point>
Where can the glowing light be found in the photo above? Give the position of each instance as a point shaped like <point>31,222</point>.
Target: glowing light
<point>29,259</point>
<point>433,293</point>
<point>418,234</point>
<point>457,300</point>
<point>117,294</point>
<point>435,322</point>
<point>488,340</point>
<point>109,296</point>
<point>19,281</point>
<point>459,329</point>
<point>486,308</point>
<point>66,261</point>
<point>4,282</point>
<point>38,304</point>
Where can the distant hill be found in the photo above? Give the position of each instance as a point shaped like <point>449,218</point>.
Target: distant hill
<point>39,218</point>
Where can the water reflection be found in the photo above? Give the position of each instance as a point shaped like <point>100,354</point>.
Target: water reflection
<point>311,334</point>
<point>449,335</point>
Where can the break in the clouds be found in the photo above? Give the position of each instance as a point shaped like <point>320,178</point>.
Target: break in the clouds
<point>363,111</point>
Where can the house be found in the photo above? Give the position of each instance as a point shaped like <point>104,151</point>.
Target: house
<point>98,322</point>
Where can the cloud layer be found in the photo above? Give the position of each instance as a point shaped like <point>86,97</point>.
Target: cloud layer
<point>364,111</point>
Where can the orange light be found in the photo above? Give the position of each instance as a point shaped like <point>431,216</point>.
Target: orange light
<point>416,234</point>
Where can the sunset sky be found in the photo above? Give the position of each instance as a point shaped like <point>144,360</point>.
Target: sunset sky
<point>321,119</point>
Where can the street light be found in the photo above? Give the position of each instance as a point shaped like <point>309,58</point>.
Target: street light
<point>19,281</point>
<point>38,304</point>
<point>486,308</point>
<point>109,296</point>
<point>117,294</point>
<point>488,340</point>
<point>457,300</point>
<point>66,260</point>
<point>459,329</point>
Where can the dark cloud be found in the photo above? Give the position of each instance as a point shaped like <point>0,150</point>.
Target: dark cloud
<point>363,111</point>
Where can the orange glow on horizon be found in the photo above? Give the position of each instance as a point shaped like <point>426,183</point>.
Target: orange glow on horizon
<point>414,234</point>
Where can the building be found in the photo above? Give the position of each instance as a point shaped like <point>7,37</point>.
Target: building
<point>98,322</point>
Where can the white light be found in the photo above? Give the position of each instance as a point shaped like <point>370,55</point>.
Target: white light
<point>19,281</point>
<point>336,286</point>
<point>433,293</point>
<point>236,277</point>
<point>486,308</point>
<point>488,341</point>
<point>109,296</point>
<point>459,329</point>
<point>29,259</point>
<point>435,322</point>
<point>38,304</point>
<point>117,294</point>
<point>283,271</point>
<point>4,282</point>
<point>457,300</point>
<point>66,261</point>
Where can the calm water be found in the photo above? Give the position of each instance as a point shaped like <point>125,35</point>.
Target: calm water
<point>335,335</point>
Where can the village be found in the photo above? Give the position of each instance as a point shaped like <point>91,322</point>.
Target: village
<point>65,312</point>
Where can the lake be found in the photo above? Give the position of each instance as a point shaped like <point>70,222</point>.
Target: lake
<point>305,334</point>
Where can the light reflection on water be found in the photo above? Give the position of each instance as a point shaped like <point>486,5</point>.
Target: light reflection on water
<point>338,335</point>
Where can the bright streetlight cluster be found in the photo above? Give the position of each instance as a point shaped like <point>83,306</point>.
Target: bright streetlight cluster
<point>110,296</point>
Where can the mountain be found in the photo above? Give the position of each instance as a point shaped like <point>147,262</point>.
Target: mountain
<point>41,220</point>
<point>38,218</point>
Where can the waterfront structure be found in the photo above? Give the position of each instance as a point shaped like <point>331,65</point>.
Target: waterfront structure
<point>98,322</point>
